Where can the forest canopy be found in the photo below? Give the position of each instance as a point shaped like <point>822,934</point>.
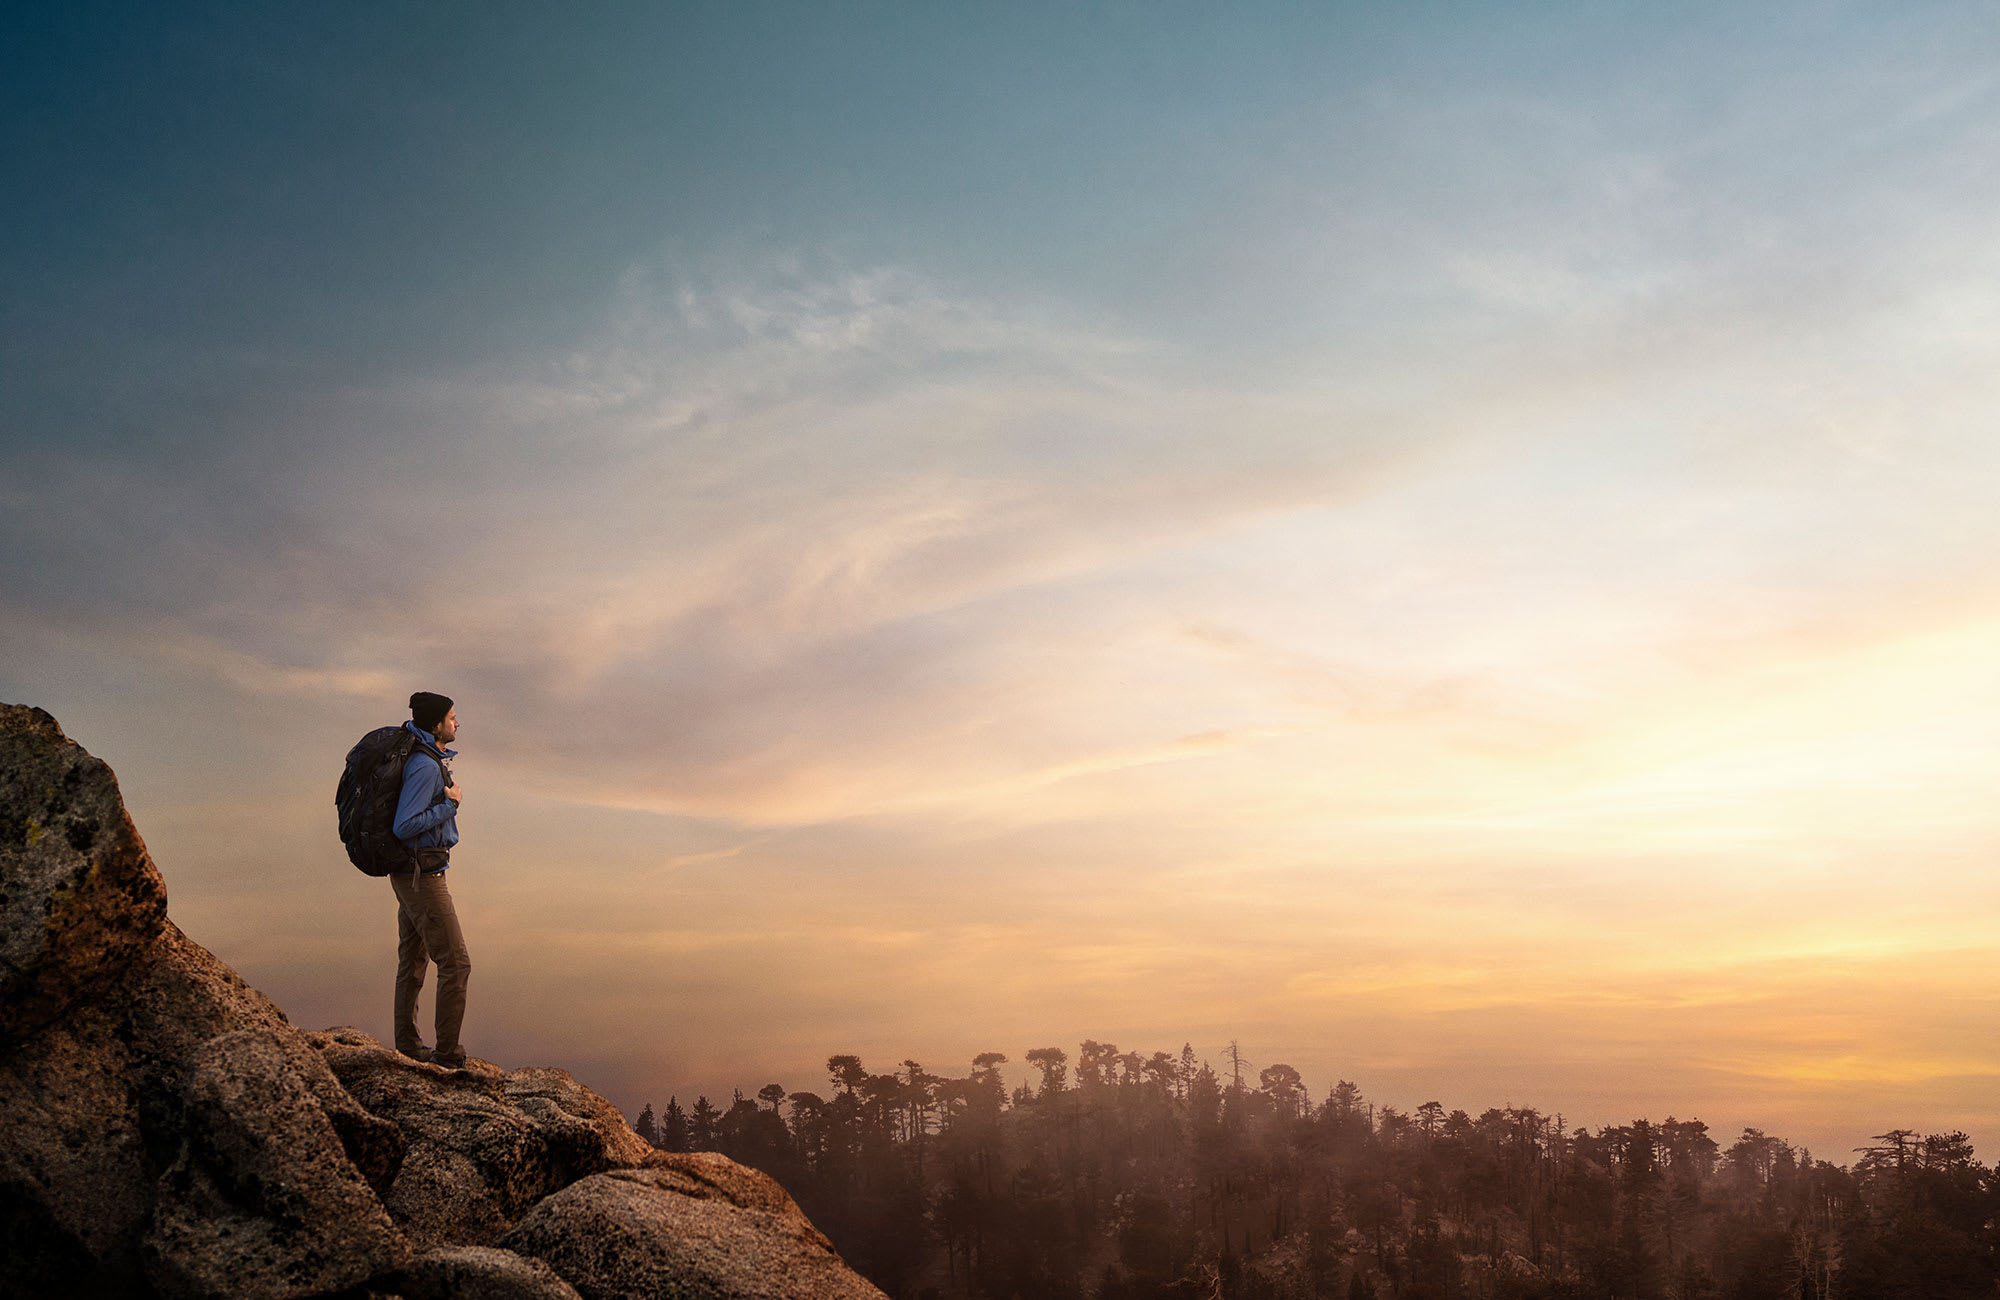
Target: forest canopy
<point>1127,1176</point>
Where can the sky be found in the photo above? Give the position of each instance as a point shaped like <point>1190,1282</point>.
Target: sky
<point>1449,545</point>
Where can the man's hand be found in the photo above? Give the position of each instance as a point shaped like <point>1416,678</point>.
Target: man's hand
<point>451,793</point>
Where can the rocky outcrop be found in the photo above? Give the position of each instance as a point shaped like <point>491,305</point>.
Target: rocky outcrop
<point>119,1155</point>
<point>168,1133</point>
<point>700,1226</point>
<point>259,1174</point>
<point>83,901</point>
<point>481,1145</point>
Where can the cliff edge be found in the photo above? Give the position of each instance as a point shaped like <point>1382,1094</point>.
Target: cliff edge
<point>168,1133</point>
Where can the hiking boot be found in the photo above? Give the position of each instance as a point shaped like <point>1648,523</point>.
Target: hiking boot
<point>455,1061</point>
<point>417,1053</point>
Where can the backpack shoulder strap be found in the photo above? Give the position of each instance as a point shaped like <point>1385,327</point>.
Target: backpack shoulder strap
<point>444,770</point>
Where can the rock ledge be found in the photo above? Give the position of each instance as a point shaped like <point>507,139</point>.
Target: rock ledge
<point>170,1134</point>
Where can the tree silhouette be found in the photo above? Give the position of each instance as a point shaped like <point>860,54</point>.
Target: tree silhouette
<point>846,1073</point>
<point>674,1127</point>
<point>1156,1177</point>
<point>1053,1062</point>
<point>704,1127</point>
<point>1281,1083</point>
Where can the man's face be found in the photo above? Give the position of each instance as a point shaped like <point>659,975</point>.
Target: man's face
<point>447,731</point>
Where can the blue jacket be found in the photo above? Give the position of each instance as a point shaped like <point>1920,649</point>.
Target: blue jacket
<point>425,819</point>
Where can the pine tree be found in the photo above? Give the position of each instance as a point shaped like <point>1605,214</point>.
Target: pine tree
<point>674,1129</point>
<point>703,1128</point>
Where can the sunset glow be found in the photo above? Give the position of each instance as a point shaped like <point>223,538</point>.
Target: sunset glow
<point>1453,550</point>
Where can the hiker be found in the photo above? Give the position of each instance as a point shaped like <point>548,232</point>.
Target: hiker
<point>426,923</point>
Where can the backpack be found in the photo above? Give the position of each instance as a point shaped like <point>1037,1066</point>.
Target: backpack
<point>370,787</point>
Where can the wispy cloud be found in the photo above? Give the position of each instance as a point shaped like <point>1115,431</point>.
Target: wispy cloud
<point>1476,558</point>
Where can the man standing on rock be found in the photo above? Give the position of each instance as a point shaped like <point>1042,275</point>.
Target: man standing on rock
<point>426,921</point>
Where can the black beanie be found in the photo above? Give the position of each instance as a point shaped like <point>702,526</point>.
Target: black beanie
<point>428,710</point>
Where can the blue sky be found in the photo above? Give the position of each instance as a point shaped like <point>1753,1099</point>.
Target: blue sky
<point>1448,543</point>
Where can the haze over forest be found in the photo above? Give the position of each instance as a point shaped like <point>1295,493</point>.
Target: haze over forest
<point>1448,545</point>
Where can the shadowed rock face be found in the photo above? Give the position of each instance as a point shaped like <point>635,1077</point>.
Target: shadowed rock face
<point>79,898</point>
<point>259,1173</point>
<point>168,1133</point>
<point>481,1273</point>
